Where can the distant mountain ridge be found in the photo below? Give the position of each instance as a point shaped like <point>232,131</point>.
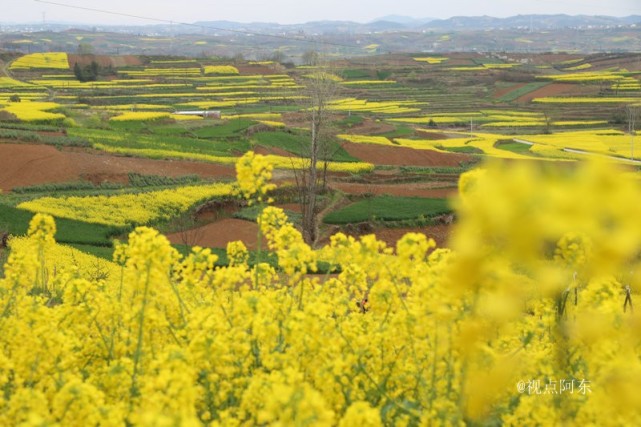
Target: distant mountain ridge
<point>390,23</point>
<point>456,23</point>
<point>535,22</point>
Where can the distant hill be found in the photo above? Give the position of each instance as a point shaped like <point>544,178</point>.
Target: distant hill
<point>390,23</point>
<point>535,22</point>
<point>405,20</point>
<point>457,23</point>
<point>263,40</point>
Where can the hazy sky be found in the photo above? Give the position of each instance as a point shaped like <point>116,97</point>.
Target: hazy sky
<point>297,11</point>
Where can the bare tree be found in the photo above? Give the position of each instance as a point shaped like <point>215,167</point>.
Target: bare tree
<point>548,121</point>
<point>310,57</point>
<point>320,88</point>
<point>4,243</point>
<point>633,112</point>
<point>190,233</point>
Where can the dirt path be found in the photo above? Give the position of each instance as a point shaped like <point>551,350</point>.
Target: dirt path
<point>29,164</point>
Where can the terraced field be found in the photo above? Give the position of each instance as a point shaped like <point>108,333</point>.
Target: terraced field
<point>155,272</point>
<point>172,116</point>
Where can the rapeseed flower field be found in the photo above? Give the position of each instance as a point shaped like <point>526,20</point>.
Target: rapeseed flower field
<point>527,320</point>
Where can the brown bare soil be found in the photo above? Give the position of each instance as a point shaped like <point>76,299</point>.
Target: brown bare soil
<point>294,207</point>
<point>371,127</point>
<point>416,189</point>
<point>295,119</point>
<point>257,69</point>
<point>431,135</point>
<point>29,164</point>
<point>554,89</point>
<point>219,233</point>
<point>403,156</point>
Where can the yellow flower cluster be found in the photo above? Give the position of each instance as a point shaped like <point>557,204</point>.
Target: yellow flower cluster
<point>515,123</point>
<point>595,76</point>
<point>9,83</point>
<point>141,116</point>
<point>483,67</point>
<point>607,141</point>
<point>172,61</point>
<point>254,173</point>
<point>579,67</point>
<point>432,59</point>
<point>273,123</point>
<point>53,60</point>
<point>385,107</point>
<point>488,118</point>
<point>5,98</point>
<point>280,162</point>
<point>368,82</point>
<point>220,69</point>
<point>485,142</point>
<point>132,107</point>
<point>366,139</point>
<point>185,117</point>
<point>579,122</point>
<point>127,209</point>
<point>163,72</point>
<point>534,296</point>
<point>323,75</point>
<point>587,100</point>
<point>34,111</point>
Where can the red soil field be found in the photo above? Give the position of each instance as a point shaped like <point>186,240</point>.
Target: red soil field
<point>219,233</point>
<point>257,69</point>
<point>403,156</point>
<point>554,89</point>
<point>26,164</point>
<point>431,135</point>
<point>294,207</point>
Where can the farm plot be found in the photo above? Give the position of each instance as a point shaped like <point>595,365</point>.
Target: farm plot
<point>27,164</point>
<point>130,209</point>
<point>389,208</point>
